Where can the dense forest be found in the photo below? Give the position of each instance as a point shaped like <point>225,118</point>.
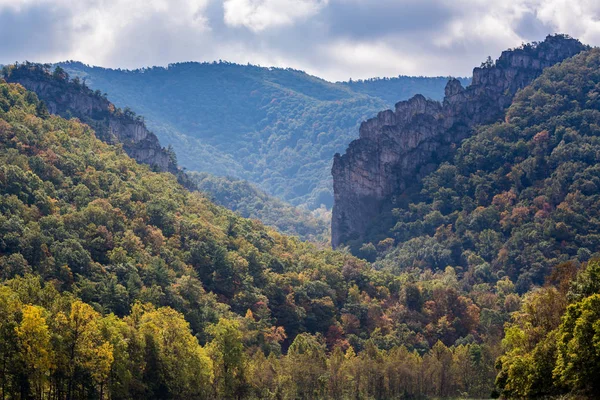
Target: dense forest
<point>277,128</point>
<point>251,202</point>
<point>519,196</point>
<point>72,98</point>
<point>119,283</point>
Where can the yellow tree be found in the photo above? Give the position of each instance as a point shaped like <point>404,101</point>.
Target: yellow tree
<point>35,348</point>
<point>84,354</point>
<point>123,340</point>
<point>181,366</point>
<point>228,355</point>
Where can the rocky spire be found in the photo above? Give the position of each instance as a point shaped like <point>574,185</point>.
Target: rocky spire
<point>398,148</point>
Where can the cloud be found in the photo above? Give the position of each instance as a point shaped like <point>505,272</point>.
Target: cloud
<point>580,18</point>
<point>334,39</point>
<point>35,34</point>
<point>258,15</point>
<point>361,19</point>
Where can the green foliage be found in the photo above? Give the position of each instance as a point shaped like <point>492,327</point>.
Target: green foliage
<point>67,350</point>
<point>578,361</point>
<point>551,347</point>
<point>119,283</point>
<point>250,202</point>
<point>278,128</point>
<point>229,359</point>
<point>519,196</point>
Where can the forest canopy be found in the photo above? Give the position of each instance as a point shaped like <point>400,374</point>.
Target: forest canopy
<point>117,282</point>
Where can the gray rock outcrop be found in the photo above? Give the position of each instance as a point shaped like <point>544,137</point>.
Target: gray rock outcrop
<point>72,99</point>
<point>398,148</point>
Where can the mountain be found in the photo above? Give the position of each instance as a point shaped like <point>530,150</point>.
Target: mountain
<point>399,148</point>
<point>118,281</point>
<point>507,199</point>
<point>277,128</point>
<point>511,201</point>
<point>392,90</point>
<point>72,98</point>
<point>250,202</point>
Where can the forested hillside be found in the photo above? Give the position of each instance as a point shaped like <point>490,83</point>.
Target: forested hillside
<point>551,344</point>
<point>117,282</point>
<point>519,196</point>
<point>250,202</point>
<point>72,98</point>
<point>277,128</point>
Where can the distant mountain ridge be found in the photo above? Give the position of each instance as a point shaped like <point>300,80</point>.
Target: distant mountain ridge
<point>277,128</point>
<point>392,90</point>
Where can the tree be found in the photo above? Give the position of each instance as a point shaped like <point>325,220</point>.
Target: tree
<point>174,357</point>
<point>578,362</point>
<point>439,363</point>
<point>9,308</point>
<point>35,350</point>
<point>307,365</point>
<point>84,358</point>
<point>229,359</point>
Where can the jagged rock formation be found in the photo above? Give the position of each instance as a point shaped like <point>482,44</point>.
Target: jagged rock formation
<point>398,148</point>
<point>71,98</point>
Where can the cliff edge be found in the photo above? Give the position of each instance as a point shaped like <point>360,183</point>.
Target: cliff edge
<point>70,98</point>
<point>399,147</point>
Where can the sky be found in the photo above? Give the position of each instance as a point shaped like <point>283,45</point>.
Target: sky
<point>333,39</point>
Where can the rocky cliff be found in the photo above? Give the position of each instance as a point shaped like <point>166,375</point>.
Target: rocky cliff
<point>398,148</point>
<point>71,98</point>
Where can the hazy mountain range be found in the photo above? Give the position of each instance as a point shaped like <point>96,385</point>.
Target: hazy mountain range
<point>277,128</point>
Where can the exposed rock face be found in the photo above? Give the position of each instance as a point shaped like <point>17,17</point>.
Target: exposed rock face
<point>69,99</point>
<point>398,148</point>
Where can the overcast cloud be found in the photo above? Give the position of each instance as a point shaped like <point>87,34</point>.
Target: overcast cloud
<point>334,39</point>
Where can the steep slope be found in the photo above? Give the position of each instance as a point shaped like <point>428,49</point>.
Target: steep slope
<point>72,98</point>
<point>518,196</point>
<point>250,202</point>
<point>398,148</point>
<point>104,256</point>
<point>277,128</point>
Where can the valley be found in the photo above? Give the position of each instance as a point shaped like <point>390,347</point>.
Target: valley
<point>170,238</point>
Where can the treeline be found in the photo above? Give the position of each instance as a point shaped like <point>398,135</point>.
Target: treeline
<point>392,90</point>
<point>46,73</point>
<point>54,346</point>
